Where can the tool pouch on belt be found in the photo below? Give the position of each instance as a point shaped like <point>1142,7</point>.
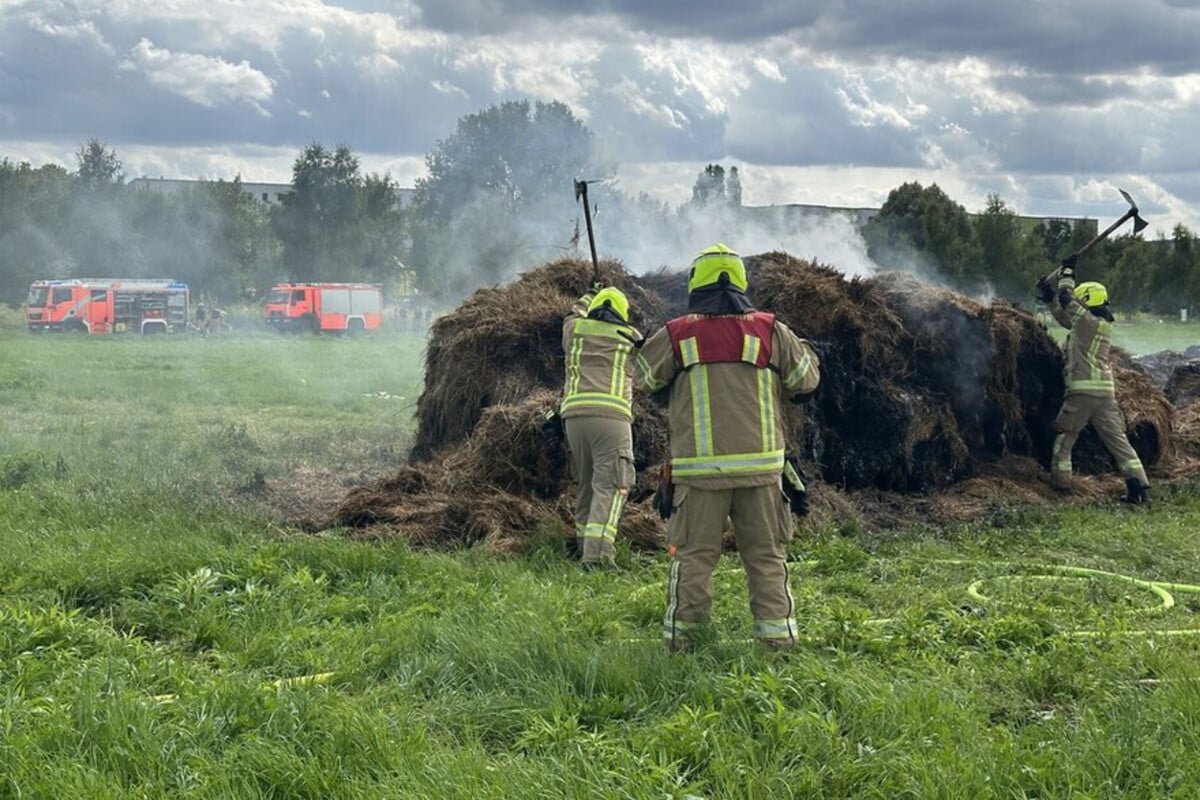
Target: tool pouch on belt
<point>664,495</point>
<point>554,440</point>
<point>794,487</point>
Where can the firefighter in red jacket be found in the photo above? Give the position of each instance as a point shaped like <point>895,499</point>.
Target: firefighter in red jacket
<point>728,367</point>
<point>597,413</point>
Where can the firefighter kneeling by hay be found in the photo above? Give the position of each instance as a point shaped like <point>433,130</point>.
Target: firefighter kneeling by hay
<point>727,366</point>
<point>597,412</point>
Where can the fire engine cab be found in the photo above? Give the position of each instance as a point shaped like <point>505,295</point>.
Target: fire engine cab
<point>107,305</point>
<point>315,307</point>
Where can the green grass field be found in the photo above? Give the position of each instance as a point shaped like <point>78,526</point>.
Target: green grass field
<point>158,639</point>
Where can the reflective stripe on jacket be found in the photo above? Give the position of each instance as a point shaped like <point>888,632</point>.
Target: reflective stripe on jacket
<point>1087,347</point>
<point>599,366</point>
<point>727,376</point>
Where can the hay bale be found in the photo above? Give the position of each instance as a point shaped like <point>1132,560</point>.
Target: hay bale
<point>503,343</point>
<point>1187,432</point>
<point>642,528</point>
<point>505,450</point>
<point>1026,385</point>
<point>1149,420</point>
<point>1183,387</point>
<point>932,407</point>
<point>1161,365</point>
<point>918,383</point>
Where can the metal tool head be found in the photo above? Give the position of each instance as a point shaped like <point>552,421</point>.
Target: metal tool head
<point>1139,224</point>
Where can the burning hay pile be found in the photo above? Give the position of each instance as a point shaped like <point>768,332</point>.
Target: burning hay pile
<point>931,406</point>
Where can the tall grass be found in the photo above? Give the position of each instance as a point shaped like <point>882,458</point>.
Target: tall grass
<point>158,641</point>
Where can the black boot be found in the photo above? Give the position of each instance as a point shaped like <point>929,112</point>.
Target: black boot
<point>1135,493</point>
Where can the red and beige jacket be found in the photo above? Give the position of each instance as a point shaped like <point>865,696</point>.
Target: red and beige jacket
<point>728,375</point>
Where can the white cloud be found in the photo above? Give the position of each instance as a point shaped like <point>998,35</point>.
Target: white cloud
<point>206,81</point>
<point>978,98</point>
<point>632,96</point>
<point>74,31</point>
<point>446,87</point>
<point>378,65</point>
<point>768,69</point>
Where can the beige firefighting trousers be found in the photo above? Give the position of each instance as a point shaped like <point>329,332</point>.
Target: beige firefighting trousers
<point>601,452</point>
<point>762,526</point>
<point>1105,416</point>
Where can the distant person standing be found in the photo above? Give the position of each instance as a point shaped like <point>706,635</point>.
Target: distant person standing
<point>728,368</point>
<point>1091,391</point>
<point>216,321</point>
<point>597,413</point>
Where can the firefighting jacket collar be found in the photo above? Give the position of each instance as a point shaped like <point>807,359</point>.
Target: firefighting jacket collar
<point>719,299</point>
<point>605,314</point>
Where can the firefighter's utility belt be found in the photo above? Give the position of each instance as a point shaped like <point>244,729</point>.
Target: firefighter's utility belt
<point>795,488</point>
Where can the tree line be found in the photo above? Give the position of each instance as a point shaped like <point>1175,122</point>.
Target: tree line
<point>997,252</point>
<point>495,200</point>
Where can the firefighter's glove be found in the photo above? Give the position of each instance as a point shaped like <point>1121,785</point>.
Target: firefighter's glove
<point>1045,292</point>
<point>597,285</point>
<point>1065,296</point>
<point>554,440</point>
<point>795,486</point>
<point>664,495</point>
<point>1068,264</point>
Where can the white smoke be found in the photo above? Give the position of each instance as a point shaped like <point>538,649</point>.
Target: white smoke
<point>645,242</point>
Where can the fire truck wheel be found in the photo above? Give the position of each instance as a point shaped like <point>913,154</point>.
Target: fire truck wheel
<point>74,326</point>
<point>311,325</point>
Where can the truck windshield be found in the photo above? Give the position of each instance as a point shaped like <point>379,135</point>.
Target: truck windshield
<point>277,296</point>
<point>38,295</point>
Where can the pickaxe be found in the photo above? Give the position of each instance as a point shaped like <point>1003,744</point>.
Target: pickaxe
<point>1139,224</point>
<point>581,192</point>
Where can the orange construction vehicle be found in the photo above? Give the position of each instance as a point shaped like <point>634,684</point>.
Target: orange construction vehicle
<point>315,307</point>
<point>107,305</point>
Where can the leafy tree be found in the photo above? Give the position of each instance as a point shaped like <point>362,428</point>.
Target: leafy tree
<point>498,193</point>
<point>921,229</point>
<point>1172,281</point>
<point>99,236</point>
<point>1127,278</point>
<point>716,187</point>
<point>33,209</point>
<point>215,237</point>
<point>998,231</point>
<point>709,186</point>
<point>733,188</point>
<point>98,166</point>
<point>376,240</point>
<point>1054,236</point>
<point>337,224</point>
<point>319,207</point>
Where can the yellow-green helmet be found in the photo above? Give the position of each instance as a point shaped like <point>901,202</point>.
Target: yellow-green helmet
<point>1091,294</point>
<point>710,264</point>
<point>612,297</point>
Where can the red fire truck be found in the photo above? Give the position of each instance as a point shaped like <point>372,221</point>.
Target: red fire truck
<point>108,305</point>
<point>314,307</point>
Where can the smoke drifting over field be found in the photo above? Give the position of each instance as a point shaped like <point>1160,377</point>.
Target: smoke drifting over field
<point>490,245</point>
<point>831,239</point>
